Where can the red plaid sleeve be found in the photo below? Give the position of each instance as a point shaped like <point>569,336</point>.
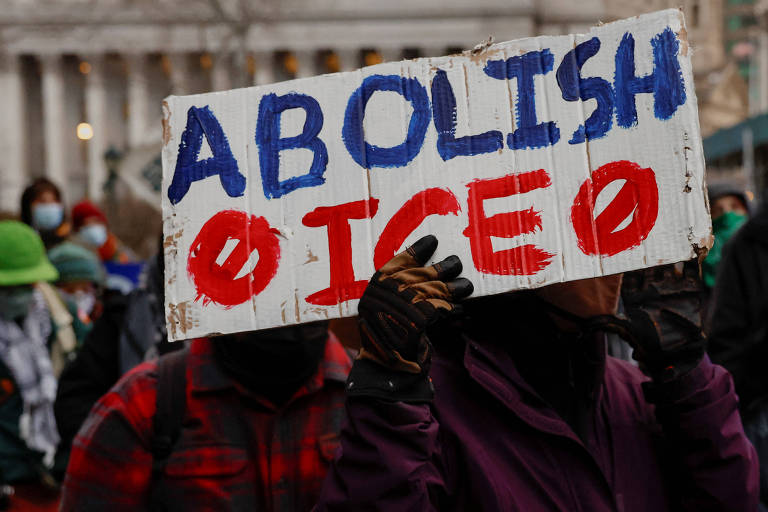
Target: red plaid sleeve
<point>110,466</point>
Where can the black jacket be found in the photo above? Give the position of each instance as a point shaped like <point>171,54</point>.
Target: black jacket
<point>93,372</point>
<point>120,339</point>
<point>738,337</point>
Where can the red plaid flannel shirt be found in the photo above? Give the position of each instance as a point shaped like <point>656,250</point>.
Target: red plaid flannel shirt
<point>236,450</point>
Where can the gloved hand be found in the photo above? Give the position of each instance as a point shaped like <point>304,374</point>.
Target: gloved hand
<point>663,306</point>
<point>401,301</point>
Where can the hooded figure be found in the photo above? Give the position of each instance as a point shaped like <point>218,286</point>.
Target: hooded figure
<point>510,402</point>
<point>738,338</point>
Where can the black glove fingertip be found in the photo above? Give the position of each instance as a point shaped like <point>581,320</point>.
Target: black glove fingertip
<point>460,288</point>
<point>449,268</point>
<point>423,248</point>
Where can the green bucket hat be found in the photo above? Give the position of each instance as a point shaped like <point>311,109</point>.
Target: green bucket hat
<point>22,256</point>
<point>76,263</point>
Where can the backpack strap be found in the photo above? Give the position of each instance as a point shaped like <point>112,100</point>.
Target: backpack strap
<point>171,404</point>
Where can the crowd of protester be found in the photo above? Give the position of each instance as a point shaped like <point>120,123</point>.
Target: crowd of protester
<point>635,392</point>
<point>54,292</point>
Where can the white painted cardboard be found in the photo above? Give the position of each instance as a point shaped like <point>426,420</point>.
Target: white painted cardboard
<point>670,147</point>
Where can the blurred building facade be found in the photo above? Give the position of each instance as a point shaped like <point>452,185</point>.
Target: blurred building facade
<point>704,21</point>
<point>729,42</point>
<point>81,77</point>
<point>721,83</point>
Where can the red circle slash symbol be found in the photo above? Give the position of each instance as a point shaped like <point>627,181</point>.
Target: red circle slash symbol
<point>638,196</point>
<point>216,282</point>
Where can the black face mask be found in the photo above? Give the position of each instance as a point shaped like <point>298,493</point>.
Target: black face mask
<point>273,363</point>
<point>599,323</point>
<point>526,315</point>
<point>562,367</point>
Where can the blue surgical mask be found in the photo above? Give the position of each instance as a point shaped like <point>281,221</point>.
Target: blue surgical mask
<point>15,302</point>
<point>47,216</point>
<point>94,234</point>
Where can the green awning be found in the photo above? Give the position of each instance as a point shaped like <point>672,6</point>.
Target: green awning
<point>728,140</point>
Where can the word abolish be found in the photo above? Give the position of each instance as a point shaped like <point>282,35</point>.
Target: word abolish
<point>614,100</point>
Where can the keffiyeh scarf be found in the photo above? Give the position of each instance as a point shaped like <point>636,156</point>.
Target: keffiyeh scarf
<point>24,351</point>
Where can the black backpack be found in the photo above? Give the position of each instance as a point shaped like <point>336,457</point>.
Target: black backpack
<point>171,405</point>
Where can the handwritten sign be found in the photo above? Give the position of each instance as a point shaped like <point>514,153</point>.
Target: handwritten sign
<point>535,161</point>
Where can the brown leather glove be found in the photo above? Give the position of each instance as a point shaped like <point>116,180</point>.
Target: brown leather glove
<point>402,300</point>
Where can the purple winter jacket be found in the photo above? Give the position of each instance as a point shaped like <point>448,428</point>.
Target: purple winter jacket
<point>489,443</point>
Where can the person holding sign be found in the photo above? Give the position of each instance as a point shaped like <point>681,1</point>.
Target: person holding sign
<point>240,422</point>
<point>509,402</point>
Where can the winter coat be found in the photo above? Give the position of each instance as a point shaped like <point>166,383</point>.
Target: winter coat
<point>93,372</point>
<point>129,326</point>
<point>738,338</point>
<point>490,442</point>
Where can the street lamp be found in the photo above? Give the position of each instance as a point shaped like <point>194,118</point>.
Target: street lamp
<point>84,131</point>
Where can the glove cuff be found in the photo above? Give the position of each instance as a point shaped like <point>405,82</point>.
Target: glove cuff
<point>664,391</point>
<point>370,379</point>
<point>676,371</point>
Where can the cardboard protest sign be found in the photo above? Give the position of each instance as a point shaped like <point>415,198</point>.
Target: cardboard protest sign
<point>535,161</point>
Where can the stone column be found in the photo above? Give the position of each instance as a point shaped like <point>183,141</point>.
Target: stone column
<point>12,165</point>
<point>53,120</point>
<point>433,51</point>
<point>96,115</point>
<point>391,54</point>
<point>220,79</point>
<point>138,99</point>
<point>349,59</point>
<point>179,73</point>
<point>762,70</point>
<point>307,63</point>
<point>265,68</point>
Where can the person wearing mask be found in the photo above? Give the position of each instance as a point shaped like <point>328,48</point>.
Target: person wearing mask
<point>81,280</point>
<point>510,403</point>
<point>28,436</point>
<point>240,422</point>
<point>129,331</point>
<point>91,229</point>
<point>729,210</point>
<point>738,337</point>
<point>42,209</point>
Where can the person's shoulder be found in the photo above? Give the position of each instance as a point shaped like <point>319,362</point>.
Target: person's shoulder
<point>140,378</point>
<point>129,406</point>
<point>146,371</point>
<point>337,359</point>
<point>133,396</point>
